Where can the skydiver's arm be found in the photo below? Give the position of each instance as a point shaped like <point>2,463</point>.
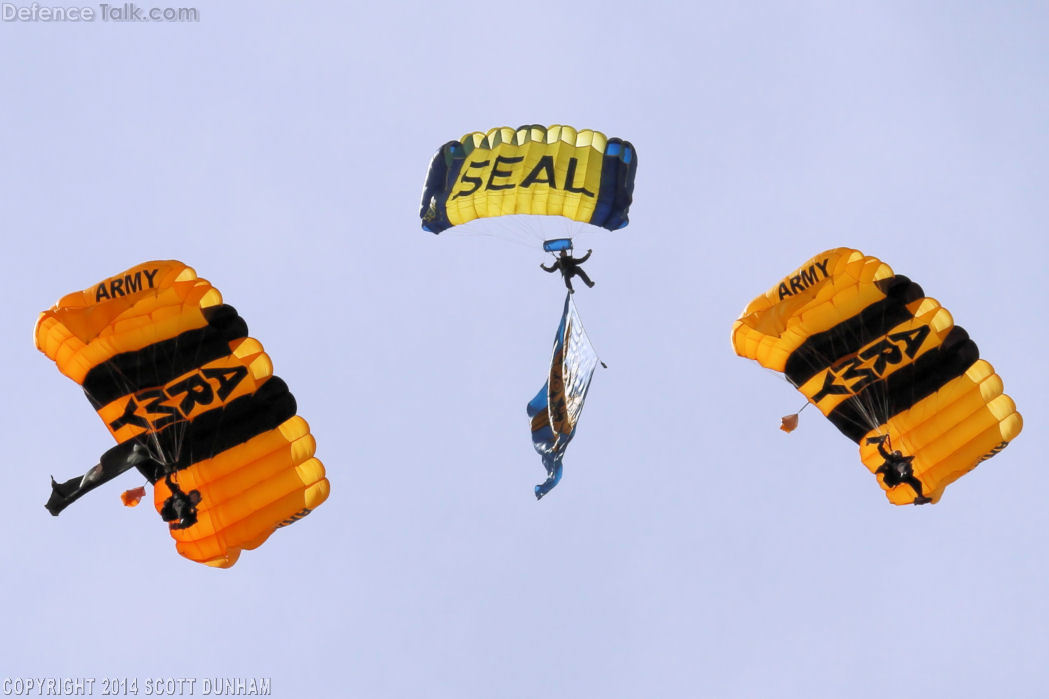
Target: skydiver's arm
<point>584,258</point>
<point>880,441</point>
<point>549,269</point>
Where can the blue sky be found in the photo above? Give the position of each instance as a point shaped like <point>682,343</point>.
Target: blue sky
<point>692,548</point>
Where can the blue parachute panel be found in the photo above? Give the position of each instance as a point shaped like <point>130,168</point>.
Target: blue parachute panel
<point>557,244</point>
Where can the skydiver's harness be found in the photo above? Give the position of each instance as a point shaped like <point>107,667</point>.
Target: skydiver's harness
<point>897,469</point>
<point>179,510</point>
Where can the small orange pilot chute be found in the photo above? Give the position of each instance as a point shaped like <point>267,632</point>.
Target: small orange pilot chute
<point>132,497</point>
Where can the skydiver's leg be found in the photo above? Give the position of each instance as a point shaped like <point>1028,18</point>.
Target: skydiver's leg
<point>568,283</point>
<point>916,485</point>
<point>586,279</point>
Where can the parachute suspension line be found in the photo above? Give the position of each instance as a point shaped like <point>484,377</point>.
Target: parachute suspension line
<point>521,230</point>
<point>878,399</point>
<point>862,399</point>
<point>149,438</point>
<point>183,425</point>
<point>513,239</point>
<point>871,401</point>
<point>866,410</point>
<point>173,433</point>
<point>180,427</point>
<point>874,401</point>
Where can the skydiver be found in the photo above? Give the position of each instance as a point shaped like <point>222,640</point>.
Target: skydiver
<point>569,267</point>
<point>180,510</point>
<point>897,469</point>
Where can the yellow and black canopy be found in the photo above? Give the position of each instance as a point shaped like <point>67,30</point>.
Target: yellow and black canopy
<point>885,364</point>
<point>172,372</point>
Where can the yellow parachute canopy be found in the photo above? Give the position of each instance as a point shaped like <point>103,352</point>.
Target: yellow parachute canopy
<point>171,371</point>
<point>886,365</point>
<point>549,171</point>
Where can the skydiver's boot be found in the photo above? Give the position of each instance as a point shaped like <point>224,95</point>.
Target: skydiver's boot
<point>583,275</point>
<point>916,485</point>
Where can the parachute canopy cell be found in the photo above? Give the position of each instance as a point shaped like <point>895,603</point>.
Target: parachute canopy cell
<point>553,171</point>
<point>171,370</point>
<point>885,364</point>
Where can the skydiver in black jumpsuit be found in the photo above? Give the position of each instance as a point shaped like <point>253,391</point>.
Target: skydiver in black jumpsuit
<point>179,510</point>
<point>897,469</point>
<point>569,267</point>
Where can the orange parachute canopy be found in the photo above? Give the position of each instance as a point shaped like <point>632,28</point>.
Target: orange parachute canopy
<point>887,366</point>
<point>172,372</point>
